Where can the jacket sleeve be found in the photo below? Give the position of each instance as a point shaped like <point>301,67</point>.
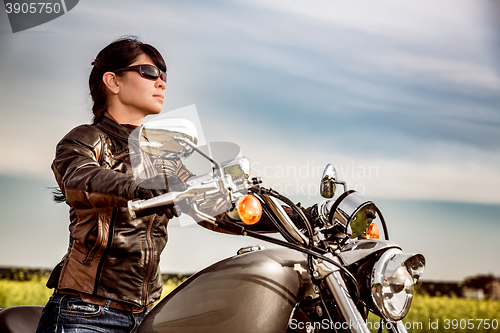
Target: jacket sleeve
<point>84,182</point>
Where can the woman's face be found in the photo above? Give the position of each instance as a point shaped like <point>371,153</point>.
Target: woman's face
<point>138,94</point>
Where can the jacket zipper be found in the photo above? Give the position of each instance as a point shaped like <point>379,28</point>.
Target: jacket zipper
<point>151,255</point>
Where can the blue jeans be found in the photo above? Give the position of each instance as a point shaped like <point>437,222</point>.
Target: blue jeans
<point>68,313</point>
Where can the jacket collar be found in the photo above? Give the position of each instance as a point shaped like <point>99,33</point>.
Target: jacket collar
<point>111,127</point>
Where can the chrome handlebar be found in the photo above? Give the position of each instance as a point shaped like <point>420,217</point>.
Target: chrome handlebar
<point>230,182</point>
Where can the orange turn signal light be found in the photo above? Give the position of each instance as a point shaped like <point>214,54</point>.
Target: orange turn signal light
<point>373,232</point>
<point>249,209</point>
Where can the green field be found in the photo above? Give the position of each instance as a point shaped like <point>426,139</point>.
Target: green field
<point>35,292</point>
<point>427,314</point>
<point>25,287</point>
<point>443,314</point>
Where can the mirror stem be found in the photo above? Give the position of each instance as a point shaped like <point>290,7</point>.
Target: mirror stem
<point>343,183</point>
<point>192,145</point>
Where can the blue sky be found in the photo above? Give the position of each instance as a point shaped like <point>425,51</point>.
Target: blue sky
<point>408,91</point>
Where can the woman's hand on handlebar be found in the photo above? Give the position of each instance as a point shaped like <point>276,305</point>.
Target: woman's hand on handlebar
<point>158,185</point>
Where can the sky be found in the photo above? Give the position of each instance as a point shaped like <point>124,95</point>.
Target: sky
<point>402,97</point>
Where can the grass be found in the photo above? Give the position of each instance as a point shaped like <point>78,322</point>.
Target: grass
<point>33,292</point>
<point>444,314</point>
<point>23,288</point>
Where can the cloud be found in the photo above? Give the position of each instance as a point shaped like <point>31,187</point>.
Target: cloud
<point>401,96</point>
<point>418,21</point>
<point>386,81</point>
<point>438,175</point>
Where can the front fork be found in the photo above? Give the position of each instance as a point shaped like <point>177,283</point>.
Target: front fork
<point>353,318</point>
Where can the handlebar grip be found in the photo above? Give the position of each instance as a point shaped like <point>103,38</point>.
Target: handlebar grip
<point>135,206</point>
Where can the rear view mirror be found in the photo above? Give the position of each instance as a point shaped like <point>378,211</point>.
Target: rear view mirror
<point>157,137</point>
<point>327,184</point>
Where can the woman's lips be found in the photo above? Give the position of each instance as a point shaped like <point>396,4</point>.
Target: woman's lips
<point>162,97</point>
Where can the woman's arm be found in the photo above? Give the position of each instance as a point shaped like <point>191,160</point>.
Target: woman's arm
<point>84,182</point>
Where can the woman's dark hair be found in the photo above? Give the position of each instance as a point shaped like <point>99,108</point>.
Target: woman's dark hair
<point>119,54</point>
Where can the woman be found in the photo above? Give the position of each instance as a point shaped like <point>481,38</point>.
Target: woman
<point>110,278</point>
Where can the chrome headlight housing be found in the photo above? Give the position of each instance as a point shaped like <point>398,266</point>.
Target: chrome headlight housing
<point>393,280</point>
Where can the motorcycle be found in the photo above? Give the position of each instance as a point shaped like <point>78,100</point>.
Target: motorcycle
<point>330,271</point>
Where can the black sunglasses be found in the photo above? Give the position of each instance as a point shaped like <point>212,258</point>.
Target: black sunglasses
<point>149,72</point>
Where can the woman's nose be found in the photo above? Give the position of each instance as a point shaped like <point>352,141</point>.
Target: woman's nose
<point>160,82</point>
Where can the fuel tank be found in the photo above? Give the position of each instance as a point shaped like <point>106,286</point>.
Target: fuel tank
<point>251,292</point>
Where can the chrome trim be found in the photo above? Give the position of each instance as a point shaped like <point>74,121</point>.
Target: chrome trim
<point>352,211</point>
<point>131,210</point>
<point>355,211</point>
<point>327,184</point>
<point>202,153</point>
<point>157,136</point>
<point>250,248</point>
<point>324,210</point>
<point>387,264</point>
<point>161,200</point>
<point>358,249</point>
<point>342,296</point>
<point>290,227</point>
<point>384,269</point>
<point>203,216</point>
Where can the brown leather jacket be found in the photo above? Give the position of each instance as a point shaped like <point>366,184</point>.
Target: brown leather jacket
<point>110,254</point>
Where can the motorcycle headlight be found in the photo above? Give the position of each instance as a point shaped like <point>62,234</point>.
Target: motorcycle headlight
<point>393,280</point>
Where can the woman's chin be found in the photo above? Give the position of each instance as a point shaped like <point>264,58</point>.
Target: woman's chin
<point>154,111</point>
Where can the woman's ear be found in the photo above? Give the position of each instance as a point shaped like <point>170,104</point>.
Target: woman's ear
<point>111,81</point>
